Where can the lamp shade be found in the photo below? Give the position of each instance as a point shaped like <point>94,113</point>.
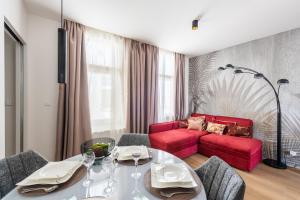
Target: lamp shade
<point>238,71</point>
<point>282,81</point>
<point>195,24</point>
<point>229,66</point>
<point>258,75</point>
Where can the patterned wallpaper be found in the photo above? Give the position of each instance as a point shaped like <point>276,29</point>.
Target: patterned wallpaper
<point>223,93</point>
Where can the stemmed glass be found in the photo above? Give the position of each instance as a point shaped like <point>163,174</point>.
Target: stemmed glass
<point>107,164</point>
<point>114,155</point>
<point>136,155</point>
<point>88,161</point>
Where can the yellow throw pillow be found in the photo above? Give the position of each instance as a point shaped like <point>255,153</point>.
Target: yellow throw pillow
<point>196,123</point>
<point>215,128</point>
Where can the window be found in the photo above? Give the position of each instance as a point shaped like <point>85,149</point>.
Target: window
<point>166,86</point>
<point>105,77</point>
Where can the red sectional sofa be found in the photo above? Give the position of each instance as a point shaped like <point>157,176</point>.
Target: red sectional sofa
<point>242,153</point>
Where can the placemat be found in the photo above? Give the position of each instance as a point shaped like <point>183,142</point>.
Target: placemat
<point>156,191</point>
<point>131,162</point>
<point>141,161</point>
<point>77,176</point>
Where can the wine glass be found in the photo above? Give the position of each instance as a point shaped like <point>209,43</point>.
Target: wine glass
<point>136,155</point>
<point>107,164</point>
<point>114,155</point>
<point>88,161</point>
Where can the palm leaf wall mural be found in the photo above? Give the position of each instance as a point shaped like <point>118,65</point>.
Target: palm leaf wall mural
<point>242,96</point>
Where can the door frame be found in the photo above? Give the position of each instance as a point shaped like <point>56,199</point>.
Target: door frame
<point>20,82</point>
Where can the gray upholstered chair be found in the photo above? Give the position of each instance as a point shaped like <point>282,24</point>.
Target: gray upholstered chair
<point>134,139</point>
<point>220,180</point>
<point>15,168</point>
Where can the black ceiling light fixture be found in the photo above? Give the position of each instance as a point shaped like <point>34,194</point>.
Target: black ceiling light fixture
<point>195,24</point>
<point>62,49</point>
<point>243,70</point>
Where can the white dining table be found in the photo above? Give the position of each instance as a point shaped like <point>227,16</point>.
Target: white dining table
<point>123,188</point>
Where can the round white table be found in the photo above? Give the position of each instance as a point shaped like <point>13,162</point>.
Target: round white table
<point>123,188</point>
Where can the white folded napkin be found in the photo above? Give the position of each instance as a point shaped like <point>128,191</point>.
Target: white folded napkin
<point>185,178</point>
<point>125,152</point>
<point>52,173</point>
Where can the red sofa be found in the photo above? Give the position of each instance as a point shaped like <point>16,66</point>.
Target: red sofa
<point>242,153</point>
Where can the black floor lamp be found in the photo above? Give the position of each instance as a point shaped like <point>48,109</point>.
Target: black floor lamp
<point>239,70</point>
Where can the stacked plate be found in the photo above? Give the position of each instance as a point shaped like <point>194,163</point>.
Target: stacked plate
<point>171,176</point>
<point>125,152</point>
<point>53,173</point>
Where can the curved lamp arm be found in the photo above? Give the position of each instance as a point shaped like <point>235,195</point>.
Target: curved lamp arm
<point>239,70</point>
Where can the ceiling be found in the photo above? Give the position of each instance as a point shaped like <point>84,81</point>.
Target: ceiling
<point>167,23</point>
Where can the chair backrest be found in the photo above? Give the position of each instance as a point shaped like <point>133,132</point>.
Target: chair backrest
<point>134,139</point>
<point>15,168</point>
<point>221,182</point>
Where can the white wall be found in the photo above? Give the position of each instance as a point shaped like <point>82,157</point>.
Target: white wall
<point>41,86</point>
<point>15,12</point>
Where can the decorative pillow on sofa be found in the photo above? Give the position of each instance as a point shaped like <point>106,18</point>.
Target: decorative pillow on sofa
<point>196,123</point>
<point>183,124</point>
<point>239,131</point>
<point>227,123</point>
<point>215,128</point>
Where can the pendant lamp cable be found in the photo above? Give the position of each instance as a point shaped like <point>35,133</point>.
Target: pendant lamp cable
<point>61,13</point>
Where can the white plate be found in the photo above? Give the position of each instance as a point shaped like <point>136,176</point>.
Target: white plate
<point>125,152</point>
<point>187,182</point>
<point>42,176</point>
<point>171,173</point>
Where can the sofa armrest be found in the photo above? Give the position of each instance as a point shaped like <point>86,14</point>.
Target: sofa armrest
<point>165,126</point>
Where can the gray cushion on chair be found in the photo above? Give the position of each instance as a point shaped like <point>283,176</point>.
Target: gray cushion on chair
<point>15,168</point>
<point>221,182</point>
<point>134,139</point>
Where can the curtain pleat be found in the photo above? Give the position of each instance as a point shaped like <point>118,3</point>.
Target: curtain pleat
<point>142,86</point>
<point>73,125</point>
<point>179,86</point>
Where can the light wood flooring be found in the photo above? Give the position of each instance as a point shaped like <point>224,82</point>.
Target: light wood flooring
<point>264,183</point>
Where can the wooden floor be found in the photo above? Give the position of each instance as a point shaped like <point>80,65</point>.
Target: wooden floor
<point>264,183</point>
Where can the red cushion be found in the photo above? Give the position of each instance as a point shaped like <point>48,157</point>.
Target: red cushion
<point>175,140</point>
<point>242,147</point>
<point>165,126</point>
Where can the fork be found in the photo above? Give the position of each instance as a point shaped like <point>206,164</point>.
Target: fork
<point>170,194</point>
<point>45,189</point>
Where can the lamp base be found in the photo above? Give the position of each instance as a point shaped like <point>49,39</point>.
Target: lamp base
<point>274,164</point>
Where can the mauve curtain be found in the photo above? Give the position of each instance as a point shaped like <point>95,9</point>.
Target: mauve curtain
<point>142,85</point>
<point>179,86</point>
<point>73,125</point>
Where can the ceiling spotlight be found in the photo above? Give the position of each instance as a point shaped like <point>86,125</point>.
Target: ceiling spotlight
<point>195,24</point>
<point>221,68</point>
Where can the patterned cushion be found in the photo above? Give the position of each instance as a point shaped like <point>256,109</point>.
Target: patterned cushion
<point>215,128</point>
<point>15,168</point>
<point>183,124</point>
<point>240,131</point>
<point>196,123</point>
<point>227,123</point>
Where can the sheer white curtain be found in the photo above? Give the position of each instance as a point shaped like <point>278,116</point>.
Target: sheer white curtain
<point>166,86</point>
<point>106,75</point>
